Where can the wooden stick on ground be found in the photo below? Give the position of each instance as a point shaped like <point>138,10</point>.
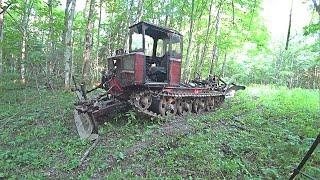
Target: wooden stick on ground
<point>85,155</point>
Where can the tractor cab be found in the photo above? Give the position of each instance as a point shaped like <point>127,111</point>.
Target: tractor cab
<point>162,51</point>
<point>154,57</point>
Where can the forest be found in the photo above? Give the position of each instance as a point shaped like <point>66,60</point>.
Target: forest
<point>262,132</point>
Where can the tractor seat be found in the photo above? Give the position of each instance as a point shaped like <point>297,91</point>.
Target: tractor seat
<point>157,74</point>
<point>157,69</point>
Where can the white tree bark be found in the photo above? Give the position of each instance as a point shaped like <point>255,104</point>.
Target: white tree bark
<point>96,64</point>
<point>140,11</point>
<point>214,58</point>
<point>204,51</point>
<point>69,16</point>
<point>25,21</point>
<point>129,22</point>
<point>187,64</point>
<point>88,42</point>
<point>50,43</point>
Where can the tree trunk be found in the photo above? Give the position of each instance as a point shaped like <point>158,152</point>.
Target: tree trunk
<point>291,85</point>
<point>1,38</point>
<point>181,16</point>
<point>69,16</point>
<point>87,8</point>
<point>204,51</point>
<point>316,6</point>
<point>214,58</point>
<point>166,13</point>
<point>232,4</point>
<point>289,27</point>
<point>166,20</point>
<point>49,58</point>
<point>140,10</point>
<point>88,43</point>
<point>98,40</point>
<point>24,23</point>
<point>125,41</point>
<point>196,69</point>
<point>187,62</point>
<point>224,64</point>
<point>314,77</point>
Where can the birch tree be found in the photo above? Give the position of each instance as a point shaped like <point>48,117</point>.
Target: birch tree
<point>187,62</point>
<point>140,11</point>
<point>289,27</point>
<point>88,42</point>
<point>24,23</point>
<point>50,39</point>
<point>98,39</point>
<point>128,23</point>
<point>214,58</point>
<point>69,16</point>
<point>204,51</point>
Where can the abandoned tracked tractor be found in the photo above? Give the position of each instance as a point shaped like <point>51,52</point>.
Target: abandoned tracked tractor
<point>148,80</point>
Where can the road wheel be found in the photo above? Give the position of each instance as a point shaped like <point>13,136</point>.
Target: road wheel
<point>187,106</point>
<point>167,106</point>
<point>195,105</point>
<point>202,104</point>
<point>209,106</point>
<point>180,109</point>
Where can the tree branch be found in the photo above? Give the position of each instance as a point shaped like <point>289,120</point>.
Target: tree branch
<point>86,154</point>
<point>5,8</point>
<point>232,3</point>
<point>289,27</point>
<point>316,6</point>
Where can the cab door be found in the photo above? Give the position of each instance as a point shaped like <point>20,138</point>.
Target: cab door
<point>175,57</point>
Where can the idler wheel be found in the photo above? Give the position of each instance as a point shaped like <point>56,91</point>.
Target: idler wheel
<point>143,100</point>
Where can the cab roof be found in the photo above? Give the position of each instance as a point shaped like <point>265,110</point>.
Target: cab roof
<point>154,28</point>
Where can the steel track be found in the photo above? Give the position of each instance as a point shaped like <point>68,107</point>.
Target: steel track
<point>146,112</point>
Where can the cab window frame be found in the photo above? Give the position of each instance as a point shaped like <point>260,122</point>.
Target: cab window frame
<point>177,41</point>
<point>132,32</point>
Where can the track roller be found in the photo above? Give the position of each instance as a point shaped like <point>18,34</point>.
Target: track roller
<point>209,105</point>
<point>165,106</point>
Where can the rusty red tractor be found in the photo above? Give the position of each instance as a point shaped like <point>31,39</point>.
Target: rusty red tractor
<point>148,80</point>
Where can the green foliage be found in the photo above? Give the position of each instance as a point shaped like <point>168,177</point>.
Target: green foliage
<point>241,35</point>
<point>241,24</point>
<point>311,29</point>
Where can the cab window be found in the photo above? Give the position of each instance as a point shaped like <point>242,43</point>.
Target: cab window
<point>149,45</point>
<point>176,46</point>
<point>136,41</point>
<point>161,50</point>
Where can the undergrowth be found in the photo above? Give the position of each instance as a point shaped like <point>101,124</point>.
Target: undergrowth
<point>263,132</point>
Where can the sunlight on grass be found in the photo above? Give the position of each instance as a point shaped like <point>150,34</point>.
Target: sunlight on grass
<point>263,131</point>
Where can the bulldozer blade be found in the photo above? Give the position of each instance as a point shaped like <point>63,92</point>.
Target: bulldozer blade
<point>85,126</point>
<point>230,92</point>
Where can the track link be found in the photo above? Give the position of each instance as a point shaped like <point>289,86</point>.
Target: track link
<point>146,112</point>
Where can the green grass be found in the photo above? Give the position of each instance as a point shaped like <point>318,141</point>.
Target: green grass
<point>261,133</point>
